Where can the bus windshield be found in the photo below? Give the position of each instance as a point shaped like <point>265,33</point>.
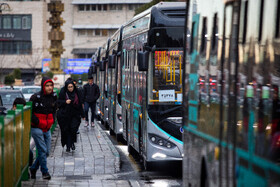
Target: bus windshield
<point>166,85</point>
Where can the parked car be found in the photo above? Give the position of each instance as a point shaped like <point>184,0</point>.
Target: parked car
<point>10,88</point>
<point>8,97</point>
<point>28,91</point>
<point>2,108</point>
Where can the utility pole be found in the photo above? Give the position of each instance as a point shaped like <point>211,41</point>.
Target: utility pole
<point>56,35</point>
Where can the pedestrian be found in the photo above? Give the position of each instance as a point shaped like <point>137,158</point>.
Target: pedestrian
<point>43,117</point>
<point>91,94</point>
<point>80,90</point>
<point>69,114</point>
<point>17,101</point>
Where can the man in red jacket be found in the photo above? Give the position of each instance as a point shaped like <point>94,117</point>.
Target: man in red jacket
<point>43,117</point>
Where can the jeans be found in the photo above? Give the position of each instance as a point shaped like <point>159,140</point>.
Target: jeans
<point>43,146</point>
<point>92,106</point>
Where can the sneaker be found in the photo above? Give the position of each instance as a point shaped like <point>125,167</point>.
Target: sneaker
<point>32,173</point>
<point>86,124</point>
<point>46,176</point>
<point>92,124</point>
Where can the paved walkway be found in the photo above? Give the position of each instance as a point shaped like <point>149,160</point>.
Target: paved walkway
<point>93,162</point>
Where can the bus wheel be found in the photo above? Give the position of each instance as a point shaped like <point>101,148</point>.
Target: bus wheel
<point>119,137</point>
<point>106,125</point>
<point>147,165</point>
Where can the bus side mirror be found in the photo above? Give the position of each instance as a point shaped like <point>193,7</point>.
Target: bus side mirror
<point>112,61</point>
<point>143,60</point>
<point>103,65</point>
<point>93,69</point>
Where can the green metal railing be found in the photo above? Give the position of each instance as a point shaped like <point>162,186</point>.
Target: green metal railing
<point>15,145</point>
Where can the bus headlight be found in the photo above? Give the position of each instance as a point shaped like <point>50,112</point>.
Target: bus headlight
<point>160,142</point>
<point>168,145</point>
<point>155,139</point>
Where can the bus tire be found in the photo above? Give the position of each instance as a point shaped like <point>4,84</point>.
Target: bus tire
<point>119,137</point>
<point>112,133</point>
<point>147,165</point>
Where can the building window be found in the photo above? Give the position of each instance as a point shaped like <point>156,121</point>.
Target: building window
<point>119,7</point>
<point>88,7</point>
<point>17,22</point>
<point>93,7</point>
<point>26,22</point>
<point>104,7</point>
<point>84,55</point>
<point>104,32</point>
<point>89,32</point>
<point>7,24</point>
<point>97,32</point>
<point>15,47</point>
<point>82,32</point>
<point>81,8</point>
<point>130,7</point>
<point>113,7</point>
<point>85,32</point>
<point>99,7</point>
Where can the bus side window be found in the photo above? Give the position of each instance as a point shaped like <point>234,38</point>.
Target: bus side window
<point>214,41</point>
<point>203,36</point>
<point>243,22</point>
<point>192,38</point>
<point>277,28</point>
<point>261,20</point>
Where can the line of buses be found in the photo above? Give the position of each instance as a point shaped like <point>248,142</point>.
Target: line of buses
<point>202,72</point>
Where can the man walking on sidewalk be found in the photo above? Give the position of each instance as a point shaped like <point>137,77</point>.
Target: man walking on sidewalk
<point>43,117</point>
<point>91,94</point>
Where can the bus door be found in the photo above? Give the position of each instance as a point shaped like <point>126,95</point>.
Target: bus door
<point>131,96</point>
<point>192,92</point>
<point>229,79</point>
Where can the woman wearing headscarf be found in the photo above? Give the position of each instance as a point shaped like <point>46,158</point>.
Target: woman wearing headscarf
<point>69,114</point>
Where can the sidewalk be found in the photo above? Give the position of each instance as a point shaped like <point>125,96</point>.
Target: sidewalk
<point>94,160</point>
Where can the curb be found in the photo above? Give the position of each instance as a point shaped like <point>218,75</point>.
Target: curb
<point>112,147</point>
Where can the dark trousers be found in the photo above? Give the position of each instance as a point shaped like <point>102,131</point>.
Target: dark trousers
<point>92,106</point>
<point>71,131</point>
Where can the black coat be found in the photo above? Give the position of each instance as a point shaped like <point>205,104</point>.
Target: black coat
<point>43,107</point>
<point>91,92</point>
<point>69,116</point>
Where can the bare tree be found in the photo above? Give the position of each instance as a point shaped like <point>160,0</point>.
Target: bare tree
<point>33,59</point>
<point>3,65</point>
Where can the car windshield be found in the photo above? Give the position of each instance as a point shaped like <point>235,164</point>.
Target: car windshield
<point>9,97</point>
<point>30,90</point>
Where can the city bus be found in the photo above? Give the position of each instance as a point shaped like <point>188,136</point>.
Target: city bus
<point>231,93</point>
<point>103,82</point>
<point>151,94</point>
<point>114,85</point>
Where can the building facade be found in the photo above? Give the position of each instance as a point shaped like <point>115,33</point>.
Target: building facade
<point>88,23</point>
